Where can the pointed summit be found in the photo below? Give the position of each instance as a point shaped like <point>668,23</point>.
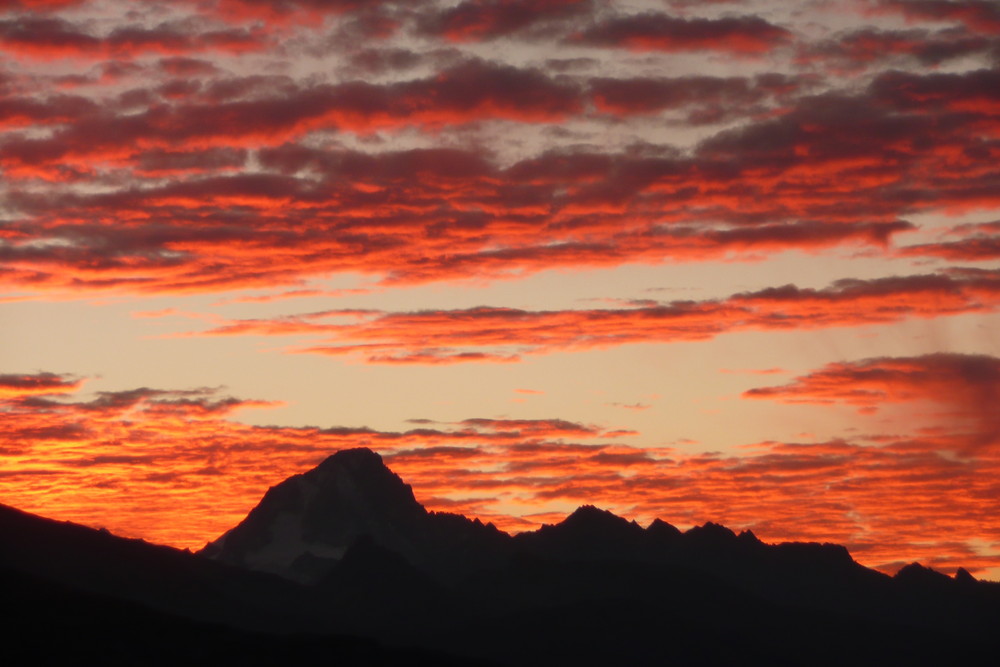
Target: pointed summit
<point>591,517</point>
<point>917,575</point>
<point>661,527</point>
<point>964,577</point>
<point>360,464</point>
<point>303,526</point>
<point>592,523</point>
<point>587,532</point>
<point>354,481</point>
<point>711,532</point>
<point>357,459</point>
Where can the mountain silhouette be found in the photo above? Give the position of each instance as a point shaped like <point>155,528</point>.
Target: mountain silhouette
<point>344,561</point>
<point>75,595</point>
<point>303,526</point>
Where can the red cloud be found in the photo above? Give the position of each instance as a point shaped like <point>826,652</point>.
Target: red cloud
<point>709,99</point>
<point>164,445</point>
<point>484,20</point>
<point>158,162</point>
<point>969,385</point>
<point>192,181</point>
<point>870,382</point>
<point>484,333</point>
<point>187,67</point>
<point>548,428</point>
<point>38,5</point>
<point>747,35</point>
<point>977,243</point>
<point>976,92</point>
<point>14,385</point>
<point>869,46</point>
<point>472,91</point>
<point>426,357</point>
<point>460,214</point>
<point>35,112</point>
<point>49,38</point>
<point>977,15</point>
<point>46,38</point>
<point>307,12</point>
<point>834,170</point>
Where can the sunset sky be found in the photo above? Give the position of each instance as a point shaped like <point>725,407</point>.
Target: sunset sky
<point>731,261</point>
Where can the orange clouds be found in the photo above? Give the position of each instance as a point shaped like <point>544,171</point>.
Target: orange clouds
<point>50,38</point>
<point>976,15</point>
<point>661,32</point>
<point>976,242</point>
<point>171,466</point>
<point>479,21</point>
<point>463,218</point>
<point>281,11</point>
<point>870,382</point>
<point>14,385</point>
<point>504,334</point>
<point>130,460</point>
<point>870,47</point>
<point>967,385</point>
<point>708,99</point>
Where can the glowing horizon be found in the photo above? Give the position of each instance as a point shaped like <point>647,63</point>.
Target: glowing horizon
<point>732,261</point>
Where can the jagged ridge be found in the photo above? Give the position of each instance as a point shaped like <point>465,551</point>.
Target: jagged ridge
<point>593,589</point>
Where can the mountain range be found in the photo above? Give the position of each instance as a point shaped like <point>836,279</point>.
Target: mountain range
<point>343,564</point>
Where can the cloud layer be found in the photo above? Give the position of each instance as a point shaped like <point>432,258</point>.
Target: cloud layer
<point>506,334</point>
<point>157,155</point>
<point>174,467</point>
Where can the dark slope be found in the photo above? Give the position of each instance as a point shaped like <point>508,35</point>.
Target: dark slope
<point>82,596</point>
<point>160,577</point>
<point>604,612</point>
<point>58,625</point>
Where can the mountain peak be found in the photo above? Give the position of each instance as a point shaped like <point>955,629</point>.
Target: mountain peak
<point>662,530</point>
<point>711,532</point>
<point>360,478</point>
<point>589,532</point>
<point>964,576</point>
<point>303,526</point>
<point>313,517</point>
<point>358,458</point>
<point>593,514</point>
<point>591,519</point>
<point>918,575</point>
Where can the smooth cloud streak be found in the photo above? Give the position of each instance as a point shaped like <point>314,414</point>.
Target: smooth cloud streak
<point>505,334</point>
<point>968,385</point>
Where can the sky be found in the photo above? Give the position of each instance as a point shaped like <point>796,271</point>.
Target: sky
<point>730,261</point>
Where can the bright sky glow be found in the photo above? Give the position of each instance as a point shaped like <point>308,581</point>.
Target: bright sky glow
<point>732,261</point>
